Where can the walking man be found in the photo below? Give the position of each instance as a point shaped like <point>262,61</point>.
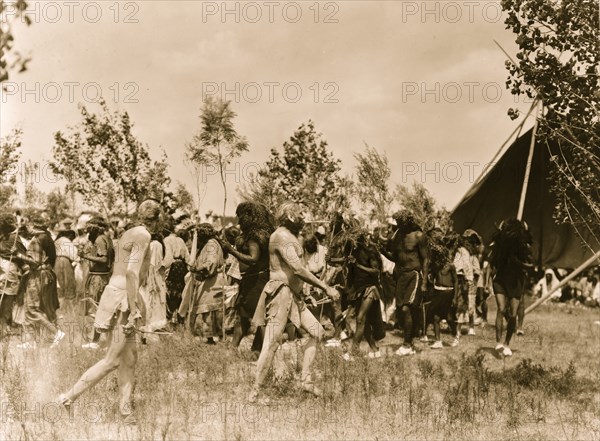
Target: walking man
<point>408,250</point>
<point>119,309</point>
<point>282,298</point>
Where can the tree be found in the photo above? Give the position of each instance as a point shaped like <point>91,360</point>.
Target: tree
<point>261,188</point>
<point>197,172</point>
<point>373,175</point>
<point>103,161</point>
<point>423,207</point>
<point>217,143</point>
<point>56,206</point>
<point>155,180</point>
<point>183,198</point>
<point>558,62</point>
<point>306,172</point>
<point>34,197</point>
<point>9,158</point>
<point>9,58</point>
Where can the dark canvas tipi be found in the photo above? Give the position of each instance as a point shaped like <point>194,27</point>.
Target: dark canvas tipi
<point>496,196</point>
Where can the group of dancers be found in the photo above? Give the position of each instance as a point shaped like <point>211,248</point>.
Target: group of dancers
<point>286,275</point>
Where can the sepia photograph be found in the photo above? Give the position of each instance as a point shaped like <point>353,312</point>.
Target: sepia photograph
<point>300,220</point>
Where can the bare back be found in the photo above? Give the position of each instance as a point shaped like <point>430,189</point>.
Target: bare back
<point>284,247</point>
<point>133,254</point>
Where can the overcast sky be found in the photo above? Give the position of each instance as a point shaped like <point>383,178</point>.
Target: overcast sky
<point>422,81</point>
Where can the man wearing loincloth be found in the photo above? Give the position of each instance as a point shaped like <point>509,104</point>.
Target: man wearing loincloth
<point>119,309</point>
<point>408,250</point>
<point>282,298</point>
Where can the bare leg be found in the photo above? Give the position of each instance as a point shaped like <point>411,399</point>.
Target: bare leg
<point>408,325</point>
<point>369,337</point>
<point>101,369</point>
<point>436,327</point>
<point>501,305</point>
<point>316,331</point>
<point>126,375</point>
<point>512,320</point>
<point>521,312</point>
<point>273,332</point>
<point>240,330</point>
<point>361,320</point>
<point>484,308</point>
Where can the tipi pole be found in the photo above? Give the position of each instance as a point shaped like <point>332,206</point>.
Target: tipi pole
<point>516,131</point>
<point>527,172</point>
<point>563,282</point>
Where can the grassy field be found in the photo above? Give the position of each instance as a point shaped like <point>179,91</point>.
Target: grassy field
<point>549,389</point>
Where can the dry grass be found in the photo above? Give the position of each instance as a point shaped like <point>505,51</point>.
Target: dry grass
<point>549,389</point>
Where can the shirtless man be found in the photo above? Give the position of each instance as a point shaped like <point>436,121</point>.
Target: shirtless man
<point>282,298</point>
<point>118,311</point>
<point>408,250</point>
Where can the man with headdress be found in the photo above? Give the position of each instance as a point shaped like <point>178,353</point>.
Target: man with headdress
<point>252,252</point>
<point>365,267</point>
<point>407,248</point>
<point>510,259</point>
<point>101,258</point>
<point>282,298</point>
<point>119,311</point>
<point>40,298</point>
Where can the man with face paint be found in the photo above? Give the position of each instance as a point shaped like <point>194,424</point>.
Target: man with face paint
<point>119,310</point>
<point>282,298</point>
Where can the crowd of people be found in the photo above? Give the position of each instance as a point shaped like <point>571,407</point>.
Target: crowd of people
<point>270,278</point>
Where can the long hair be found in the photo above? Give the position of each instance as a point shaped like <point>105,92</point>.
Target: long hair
<point>511,246</point>
<point>259,222</point>
<point>48,246</point>
<point>206,232</point>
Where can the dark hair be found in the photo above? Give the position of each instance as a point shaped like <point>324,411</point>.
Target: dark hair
<point>205,232</point>
<point>260,224</point>
<point>184,234</point>
<point>259,217</point>
<point>48,246</point>
<point>311,244</point>
<point>69,234</point>
<point>231,234</point>
<point>7,223</point>
<point>511,246</point>
<point>406,222</point>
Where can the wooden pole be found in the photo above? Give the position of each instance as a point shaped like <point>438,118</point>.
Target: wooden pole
<point>527,172</point>
<point>563,282</point>
<point>516,131</point>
